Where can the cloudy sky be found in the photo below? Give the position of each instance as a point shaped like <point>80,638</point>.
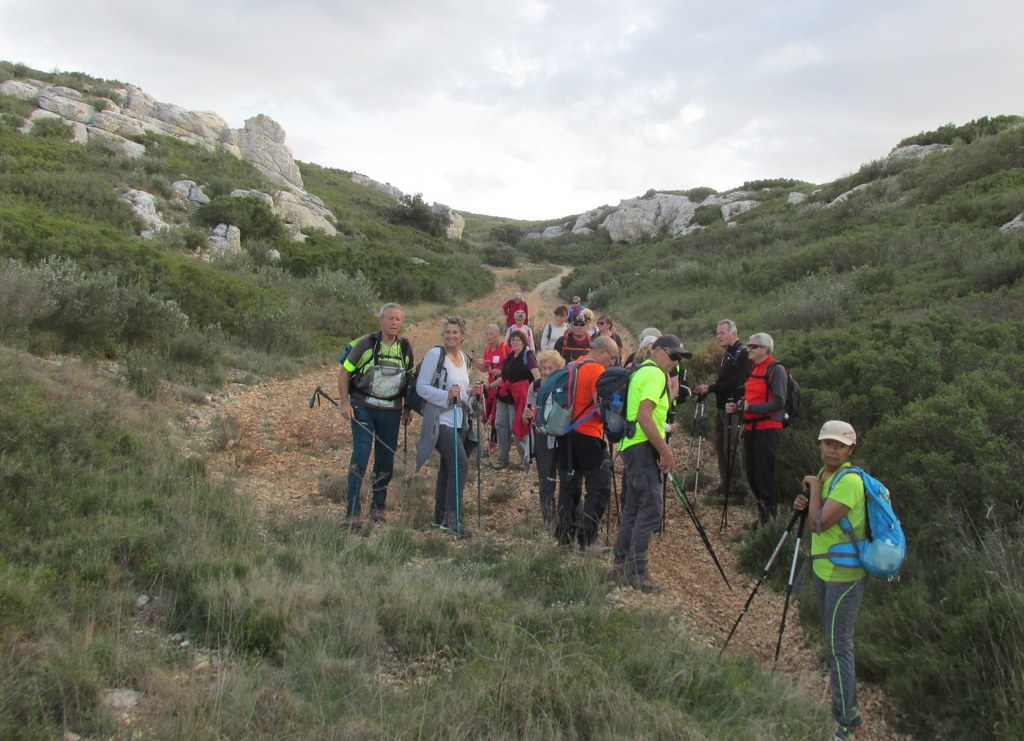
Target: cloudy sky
<point>540,109</point>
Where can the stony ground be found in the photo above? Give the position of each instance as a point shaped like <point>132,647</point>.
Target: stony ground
<point>277,448</point>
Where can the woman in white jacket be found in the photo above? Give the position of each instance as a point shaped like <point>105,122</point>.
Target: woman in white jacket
<point>443,384</point>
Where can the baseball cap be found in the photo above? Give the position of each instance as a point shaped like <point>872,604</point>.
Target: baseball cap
<point>580,321</point>
<point>672,345</point>
<point>842,432</point>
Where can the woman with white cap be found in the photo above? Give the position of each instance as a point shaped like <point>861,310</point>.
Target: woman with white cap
<point>839,589</point>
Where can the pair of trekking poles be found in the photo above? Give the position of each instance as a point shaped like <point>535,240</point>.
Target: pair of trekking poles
<point>319,394</point>
<point>801,516</point>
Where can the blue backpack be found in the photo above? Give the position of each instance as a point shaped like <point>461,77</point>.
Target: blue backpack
<point>555,402</point>
<point>884,550</point>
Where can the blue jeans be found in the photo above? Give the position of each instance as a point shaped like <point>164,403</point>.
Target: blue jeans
<point>369,425</point>
<point>839,603</point>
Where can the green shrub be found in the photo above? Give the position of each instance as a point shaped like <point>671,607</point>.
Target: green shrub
<point>252,217</point>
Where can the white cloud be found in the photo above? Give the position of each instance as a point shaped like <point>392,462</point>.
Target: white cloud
<point>538,109</point>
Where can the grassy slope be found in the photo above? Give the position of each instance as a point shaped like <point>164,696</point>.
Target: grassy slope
<point>900,311</point>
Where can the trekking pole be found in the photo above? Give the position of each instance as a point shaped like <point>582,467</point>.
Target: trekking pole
<point>688,506</point>
<point>458,495</point>
<point>731,447</point>
<point>479,501</point>
<point>700,438</point>
<point>792,574</point>
<point>319,393</point>
<point>760,580</point>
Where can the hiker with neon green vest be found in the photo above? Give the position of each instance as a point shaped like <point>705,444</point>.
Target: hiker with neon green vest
<point>839,589</point>
<point>646,455</point>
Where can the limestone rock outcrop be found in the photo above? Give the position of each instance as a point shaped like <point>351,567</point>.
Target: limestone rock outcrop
<point>144,207</point>
<point>1013,225</point>
<point>386,188</point>
<point>225,241</point>
<point>456,222</point>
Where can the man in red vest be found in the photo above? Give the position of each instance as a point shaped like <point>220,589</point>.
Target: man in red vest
<point>764,408</point>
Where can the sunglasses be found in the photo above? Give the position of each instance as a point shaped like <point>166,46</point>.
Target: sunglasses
<point>752,346</point>
<point>579,324</point>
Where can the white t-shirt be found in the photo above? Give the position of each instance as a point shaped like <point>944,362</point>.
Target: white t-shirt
<point>551,334</point>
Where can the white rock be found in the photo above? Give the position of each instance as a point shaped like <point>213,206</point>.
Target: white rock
<point>20,89</point>
<point>843,197</point>
<point>262,144</point>
<point>302,214</point>
<point>552,232</point>
<point>796,198</point>
<point>190,191</point>
<point>456,224</point>
<point>386,188</point>
<point>637,218</point>
<point>127,148</point>
<point>122,699</point>
<point>272,256</point>
<point>735,208</point>
<point>259,195</point>
<point>588,221</point>
<point>583,230</point>
<point>66,107</point>
<point>916,151</point>
<point>144,207</point>
<point>1016,223</point>
<point>141,601</point>
<point>225,241</point>
<point>38,115</point>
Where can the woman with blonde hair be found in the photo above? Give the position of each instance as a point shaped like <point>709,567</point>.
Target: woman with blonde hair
<point>443,384</point>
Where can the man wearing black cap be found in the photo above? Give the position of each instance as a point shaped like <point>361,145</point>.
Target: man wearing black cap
<point>575,343</point>
<point>646,455</point>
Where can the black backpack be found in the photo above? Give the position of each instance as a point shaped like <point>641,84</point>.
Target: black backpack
<point>793,392</point>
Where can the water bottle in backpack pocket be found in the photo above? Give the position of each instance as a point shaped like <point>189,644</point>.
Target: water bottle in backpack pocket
<point>884,549</point>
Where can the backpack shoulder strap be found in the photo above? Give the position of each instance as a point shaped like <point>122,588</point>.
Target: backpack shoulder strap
<point>407,356</point>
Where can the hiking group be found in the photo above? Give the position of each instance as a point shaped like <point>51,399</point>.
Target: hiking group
<point>565,408</point>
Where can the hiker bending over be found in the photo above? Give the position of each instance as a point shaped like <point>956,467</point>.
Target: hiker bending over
<point>445,389</point>
<point>544,445</point>
<point>583,457</point>
<point>732,374</point>
<point>838,589</point>
<point>764,409</point>
<point>517,372</point>
<point>646,456</point>
<point>371,393</point>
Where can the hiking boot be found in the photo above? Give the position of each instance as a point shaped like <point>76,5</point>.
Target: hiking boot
<point>595,549</point>
<point>377,515</point>
<point>353,522</point>
<point>842,733</point>
<point>642,583</point>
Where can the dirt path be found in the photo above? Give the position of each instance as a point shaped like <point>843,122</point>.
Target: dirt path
<point>277,449</point>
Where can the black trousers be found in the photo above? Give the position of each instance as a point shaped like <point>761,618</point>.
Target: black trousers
<point>760,449</point>
<point>589,467</point>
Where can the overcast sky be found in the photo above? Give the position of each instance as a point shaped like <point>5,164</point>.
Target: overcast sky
<point>538,109</point>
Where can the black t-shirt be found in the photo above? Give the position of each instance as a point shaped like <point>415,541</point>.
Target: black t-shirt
<point>517,368</point>
<point>570,349</point>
